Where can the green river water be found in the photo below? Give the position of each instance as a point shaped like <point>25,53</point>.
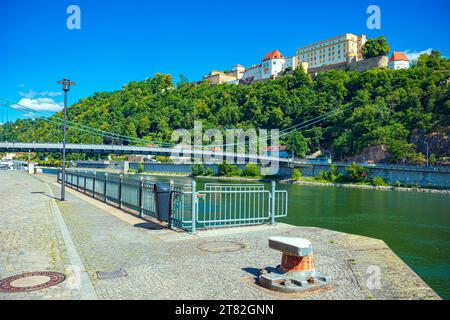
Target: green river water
<point>415,225</point>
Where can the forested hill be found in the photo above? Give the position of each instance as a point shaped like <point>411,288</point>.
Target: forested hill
<point>379,107</point>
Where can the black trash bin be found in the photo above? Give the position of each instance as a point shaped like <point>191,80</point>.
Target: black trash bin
<point>162,201</point>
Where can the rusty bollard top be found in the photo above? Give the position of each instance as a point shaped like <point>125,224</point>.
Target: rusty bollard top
<point>297,247</point>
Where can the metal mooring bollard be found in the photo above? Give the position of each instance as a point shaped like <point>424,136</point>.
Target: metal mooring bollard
<point>296,272</point>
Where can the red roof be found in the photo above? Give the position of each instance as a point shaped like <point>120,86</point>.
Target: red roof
<point>398,56</point>
<point>273,55</point>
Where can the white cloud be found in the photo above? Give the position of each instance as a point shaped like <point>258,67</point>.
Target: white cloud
<point>414,55</point>
<point>30,94</point>
<point>40,104</point>
<point>54,94</point>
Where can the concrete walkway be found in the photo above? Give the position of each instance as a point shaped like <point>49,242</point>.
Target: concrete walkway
<point>163,264</point>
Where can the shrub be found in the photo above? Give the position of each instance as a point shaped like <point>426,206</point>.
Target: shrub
<point>296,174</point>
<point>356,173</point>
<point>208,172</point>
<point>140,168</point>
<point>334,174</point>
<point>198,169</point>
<point>323,175</point>
<point>229,170</point>
<point>397,184</point>
<point>251,170</point>
<point>432,160</point>
<point>164,159</point>
<point>378,181</point>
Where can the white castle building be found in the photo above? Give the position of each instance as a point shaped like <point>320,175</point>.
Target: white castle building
<point>271,65</point>
<point>398,60</point>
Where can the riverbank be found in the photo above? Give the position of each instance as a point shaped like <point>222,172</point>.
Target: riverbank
<point>301,182</point>
<point>173,174</point>
<point>364,186</point>
<point>147,252</point>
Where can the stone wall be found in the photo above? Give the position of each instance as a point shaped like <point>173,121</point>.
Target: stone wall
<point>360,66</point>
<point>412,176</point>
<point>367,64</point>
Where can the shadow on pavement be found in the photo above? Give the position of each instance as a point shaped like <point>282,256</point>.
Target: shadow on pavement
<point>149,226</point>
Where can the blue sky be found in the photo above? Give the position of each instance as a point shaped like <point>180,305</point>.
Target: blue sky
<point>121,41</point>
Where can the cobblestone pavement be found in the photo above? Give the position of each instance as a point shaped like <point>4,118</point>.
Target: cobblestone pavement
<point>163,264</point>
<point>29,237</point>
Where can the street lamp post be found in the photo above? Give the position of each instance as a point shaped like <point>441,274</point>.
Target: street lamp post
<point>66,83</point>
<point>427,152</point>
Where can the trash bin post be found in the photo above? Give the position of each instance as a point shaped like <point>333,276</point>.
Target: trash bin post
<point>93,184</point>
<point>120,191</point>
<point>272,208</point>
<point>194,207</point>
<point>141,196</point>
<point>104,187</point>
<point>171,200</point>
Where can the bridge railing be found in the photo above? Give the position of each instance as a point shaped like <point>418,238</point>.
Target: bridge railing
<point>217,205</point>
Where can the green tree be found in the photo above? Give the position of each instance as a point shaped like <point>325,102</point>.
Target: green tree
<point>356,173</point>
<point>296,175</point>
<point>375,47</point>
<point>198,169</point>
<point>432,159</point>
<point>251,170</point>
<point>229,170</point>
<point>297,144</point>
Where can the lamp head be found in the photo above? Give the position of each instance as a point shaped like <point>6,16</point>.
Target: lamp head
<point>66,83</point>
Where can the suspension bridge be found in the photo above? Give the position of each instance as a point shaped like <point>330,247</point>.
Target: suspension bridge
<point>121,149</point>
<point>85,139</point>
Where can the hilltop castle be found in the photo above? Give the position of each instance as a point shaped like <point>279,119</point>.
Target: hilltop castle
<point>342,52</point>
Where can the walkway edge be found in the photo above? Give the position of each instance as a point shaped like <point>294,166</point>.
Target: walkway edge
<point>87,290</point>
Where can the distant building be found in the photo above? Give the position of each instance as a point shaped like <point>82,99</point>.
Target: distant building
<point>343,49</point>
<point>271,66</point>
<point>233,76</point>
<point>282,151</point>
<point>398,60</point>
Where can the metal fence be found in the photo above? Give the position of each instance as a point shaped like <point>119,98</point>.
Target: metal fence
<point>217,205</point>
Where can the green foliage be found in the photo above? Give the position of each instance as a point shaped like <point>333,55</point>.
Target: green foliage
<point>397,184</point>
<point>140,168</point>
<point>208,172</point>
<point>375,47</point>
<point>378,181</point>
<point>378,107</point>
<point>296,174</point>
<point>198,169</point>
<point>229,170</point>
<point>332,176</point>
<point>356,173</point>
<point>251,170</point>
<point>432,159</point>
<point>433,61</point>
<point>297,144</point>
<point>163,159</point>
<point>323,175</point>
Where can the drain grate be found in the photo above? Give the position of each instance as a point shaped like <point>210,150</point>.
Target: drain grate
<point>221,246</point>
<point>104,275</point>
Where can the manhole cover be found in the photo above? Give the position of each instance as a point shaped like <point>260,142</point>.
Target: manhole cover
<point>31,281</point>
<point>111,274</point>
<point>221,246</point>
